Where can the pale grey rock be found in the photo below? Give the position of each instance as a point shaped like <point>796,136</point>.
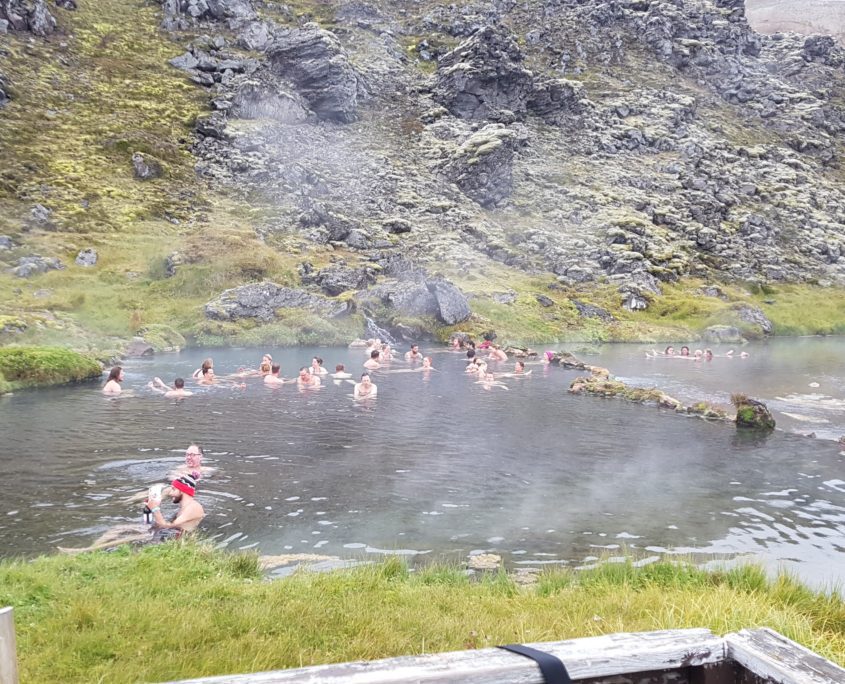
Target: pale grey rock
<point>261,301</point>
<point>87,257</point>
<point>35,265</point>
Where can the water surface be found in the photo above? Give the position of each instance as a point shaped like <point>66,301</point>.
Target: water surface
<point>438,466</point>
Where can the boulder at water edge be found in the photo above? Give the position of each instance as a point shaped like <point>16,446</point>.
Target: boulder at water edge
<point>751,413</point>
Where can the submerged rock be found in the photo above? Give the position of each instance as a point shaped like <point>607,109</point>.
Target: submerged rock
<point>261,301</point>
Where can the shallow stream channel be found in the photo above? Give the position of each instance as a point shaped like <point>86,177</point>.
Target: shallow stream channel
<point>437,467</point>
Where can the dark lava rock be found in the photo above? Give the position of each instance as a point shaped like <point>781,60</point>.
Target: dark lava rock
<point>753,315</point>
<point>751,413</point>
<point>255,99</point>
<point>718,334</point>
<point>338,278</point>
<point>484,77</point>
<point>138,348</point>
<point>315,62</point>
<point>146,168</point>
<point>544,301</point>
<point>69,5</point>
<point>256,36</point>
<point>592,311</point>
<point>35,264</point>
<point>40,214</point>
<point>28,15</point>
<point>482,167</point>
<point>87,257</point>
<point>452,303</point>
<point>261,301</point>
<point>397,226</point>
<point>4,89</point>
<point>180,14</point>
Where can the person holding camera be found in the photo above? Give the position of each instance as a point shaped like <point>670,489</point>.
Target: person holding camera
<point>182,491</point>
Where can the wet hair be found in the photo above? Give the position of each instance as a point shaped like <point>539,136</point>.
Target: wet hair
<point>374,354</point>
<point>318,360</point>
<point>265,367</point>
<point>179,383</point>
<point>114,373</point>
<point>275,368</point>
<point>304,368</point>
<point>470,353</point>
<point>666,351</point>
<point>471,344</point>
<point>205,370</point>
<point>208,363</point>
<point>521,364</point>
<point>364,375</point>
<point>339,368</point>
<point>685,347</point>
<point>415,346</point>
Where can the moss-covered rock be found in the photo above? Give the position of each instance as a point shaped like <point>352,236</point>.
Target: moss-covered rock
<point>162,338</point>
<point>26,367</point>
<point>752,414</point>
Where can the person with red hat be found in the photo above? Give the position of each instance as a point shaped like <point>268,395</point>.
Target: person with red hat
<point>182,491</point>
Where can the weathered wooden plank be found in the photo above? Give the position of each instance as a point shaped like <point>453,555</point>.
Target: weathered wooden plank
<point>8,649</point>
<point>602,656</point>
<point>772,656</point>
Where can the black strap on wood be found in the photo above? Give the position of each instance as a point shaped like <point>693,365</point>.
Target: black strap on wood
<point>551,667</point>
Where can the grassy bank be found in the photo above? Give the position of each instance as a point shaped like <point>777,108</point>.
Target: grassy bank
<point>27,367</point>
<point>177,611</point>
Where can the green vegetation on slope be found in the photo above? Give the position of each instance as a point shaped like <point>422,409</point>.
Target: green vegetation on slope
<point>25,367</point>
<point>185,610</point>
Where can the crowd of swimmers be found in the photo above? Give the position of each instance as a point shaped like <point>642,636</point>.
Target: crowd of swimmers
<point>697,355</point>
<point>378,357</point>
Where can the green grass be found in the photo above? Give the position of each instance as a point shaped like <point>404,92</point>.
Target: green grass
<point>183,610</point>
<point>26,367</point>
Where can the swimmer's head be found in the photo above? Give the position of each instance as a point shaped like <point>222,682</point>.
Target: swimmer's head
<point>520,365</point>
<point>374,354</point>
<point>265,367</point>
<point>470,353</point>
<point>184,484</point>
<point>339,368</point>
<point>116,374</point>
<point>275,369</point>
<point>669,350</point>
<point>549,356</point>
<point>193,456</point>
<point>208,363</point>
<point>179,383</point>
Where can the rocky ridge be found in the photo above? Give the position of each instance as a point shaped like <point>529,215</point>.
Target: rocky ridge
<point>628,144</point>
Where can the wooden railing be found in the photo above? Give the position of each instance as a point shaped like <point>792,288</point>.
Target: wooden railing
<point>684,655</point>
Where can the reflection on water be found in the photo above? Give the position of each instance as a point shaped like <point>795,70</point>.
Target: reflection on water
<point>435,466</point>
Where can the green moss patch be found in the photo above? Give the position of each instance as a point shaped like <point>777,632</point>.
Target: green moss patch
<point>25,367</point>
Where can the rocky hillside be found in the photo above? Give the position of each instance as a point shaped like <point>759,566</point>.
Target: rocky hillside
<point>252,172</point>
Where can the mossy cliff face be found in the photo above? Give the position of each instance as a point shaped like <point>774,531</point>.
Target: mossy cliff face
<point>648,211</point>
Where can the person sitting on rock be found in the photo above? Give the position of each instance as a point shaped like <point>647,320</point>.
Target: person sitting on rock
<point>176,392</point>
<point>372,363</point>
<point>365,388</point>
<point>112,385</point>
